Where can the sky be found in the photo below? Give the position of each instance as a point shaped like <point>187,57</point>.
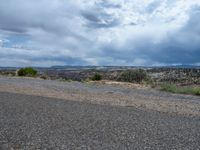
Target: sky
<point>99,32</point>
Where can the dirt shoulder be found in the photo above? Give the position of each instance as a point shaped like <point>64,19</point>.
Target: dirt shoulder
<point>127,95</point>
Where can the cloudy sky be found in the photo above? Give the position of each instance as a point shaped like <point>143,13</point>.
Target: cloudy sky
<point>99,32</point>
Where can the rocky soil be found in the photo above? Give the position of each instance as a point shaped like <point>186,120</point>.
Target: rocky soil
<point>109,93</point>
<point>181,76</point>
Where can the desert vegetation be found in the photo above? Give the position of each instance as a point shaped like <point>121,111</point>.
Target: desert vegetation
<point>174,80</point>
<point>8,72</point>
<point>28,72</point>
<point>96,77</point>
<point>180,89</point>
<point>133,76</point>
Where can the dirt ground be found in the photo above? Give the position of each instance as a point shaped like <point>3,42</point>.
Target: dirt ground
<point>105,92</point>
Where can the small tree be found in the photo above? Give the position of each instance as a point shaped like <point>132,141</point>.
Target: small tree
<point>30,72</point>
<point>135,76</point>
<point>97,77</point>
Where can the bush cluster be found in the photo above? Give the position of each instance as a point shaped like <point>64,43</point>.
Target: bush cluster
<point>30,72</point>
<point>96,77</point>
<point>182,90</point>
<point>134,76</point>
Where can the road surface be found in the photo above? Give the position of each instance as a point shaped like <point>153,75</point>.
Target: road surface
<point>33,122</point>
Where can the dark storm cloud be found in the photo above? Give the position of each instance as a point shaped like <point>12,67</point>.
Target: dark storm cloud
<point>106,3</point>
<point>23,15</point>
<point>31,57</point>
<point>180,47</point>
<point>91,17</point>
<point>100,19</point>
<point>63,59</point>
<point>13,29</point>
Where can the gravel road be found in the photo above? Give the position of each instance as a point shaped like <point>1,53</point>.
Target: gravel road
<point>96,93</point>
<point>33,122</point>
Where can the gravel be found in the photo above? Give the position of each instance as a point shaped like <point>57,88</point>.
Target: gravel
<point>96,93</point>
<point>33,122</point>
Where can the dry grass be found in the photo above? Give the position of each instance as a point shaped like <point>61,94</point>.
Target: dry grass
<point>182,90</point>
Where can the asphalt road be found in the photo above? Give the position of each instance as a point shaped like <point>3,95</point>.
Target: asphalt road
<point>31,122</point>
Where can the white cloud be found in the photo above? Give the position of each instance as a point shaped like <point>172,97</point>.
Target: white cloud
<point>125,32</point>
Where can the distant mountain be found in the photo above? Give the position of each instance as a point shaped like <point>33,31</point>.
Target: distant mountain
<point>121,67</point>
<point>105,67</point>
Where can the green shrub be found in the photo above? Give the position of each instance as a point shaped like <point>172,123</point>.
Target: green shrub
<point>182,90</point>
<point>169,88</point>
<point>97,77</point>
<point>30,72</point>
<point>196,91</point>
<point>7,73</point>
<point>135,76</point>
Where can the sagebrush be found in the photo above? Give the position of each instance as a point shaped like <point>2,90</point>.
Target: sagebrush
<point>30,72</point>
<point>182,90</point>
<point>134,76</point>
<point>97,77</point>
